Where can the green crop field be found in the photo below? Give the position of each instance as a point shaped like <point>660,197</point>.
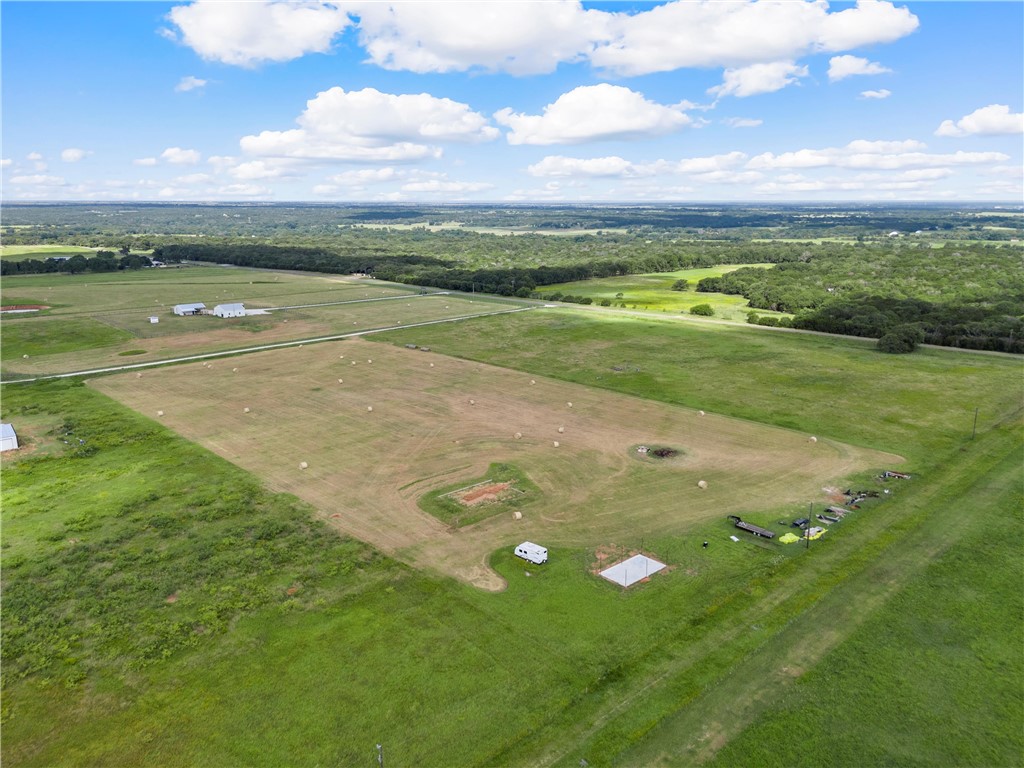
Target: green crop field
<point>654,292</point>
<point>163,608</point>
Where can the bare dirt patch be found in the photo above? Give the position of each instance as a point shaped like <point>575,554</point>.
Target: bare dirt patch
<point>482,494</point>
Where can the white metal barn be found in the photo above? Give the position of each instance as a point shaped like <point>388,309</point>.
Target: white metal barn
<point>189,309</point>
<point>8,438</point>
<point>229,310</point>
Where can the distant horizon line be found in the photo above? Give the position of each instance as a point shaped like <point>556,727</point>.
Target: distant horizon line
<point>526,203</point>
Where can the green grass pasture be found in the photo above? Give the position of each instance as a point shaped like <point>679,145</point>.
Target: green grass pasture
<point>654,292</point>
<point>41,252</point>
<point>893,640</point>
<point>93,319</point>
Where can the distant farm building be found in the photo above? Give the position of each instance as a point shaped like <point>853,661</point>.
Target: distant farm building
<point>189,309</point>
<point>154,319</point>
<point>8,438</point>
<point>229,310</point>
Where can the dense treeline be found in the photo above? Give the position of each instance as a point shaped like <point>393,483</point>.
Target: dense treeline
<point>945,275</point>
<point>440,273</point>
<point>900,324</point>
<point>969,297</point>
<point>103,261</point>
<point>279,257</point>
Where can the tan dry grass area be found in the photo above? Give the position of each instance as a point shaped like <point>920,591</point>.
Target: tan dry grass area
<point>366,469</point>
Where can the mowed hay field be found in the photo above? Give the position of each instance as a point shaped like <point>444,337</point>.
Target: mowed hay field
<point>367,469</point>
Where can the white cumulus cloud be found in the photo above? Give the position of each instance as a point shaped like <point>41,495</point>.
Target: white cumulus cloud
<point>73,154</point>
<point>145,161</point>
<point>525,38</point>
<point>758,78</point>
<point>743,122</point>
<point>840,67</point>
<point>249,33</point>
<point>5,162</point>
<point>881,93</point>
<point>861,154</point>
<point>448,187</point>
<point>370,126</point>
<point>179,156</point>
<point>557,165</point>
<point>593,113</point>
<point>993,120</point>
<point>189,83</point>
<point>38,180</point>
<point>734,34</point>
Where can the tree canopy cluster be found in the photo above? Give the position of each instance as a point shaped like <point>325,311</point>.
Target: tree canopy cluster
<point>103,261</point>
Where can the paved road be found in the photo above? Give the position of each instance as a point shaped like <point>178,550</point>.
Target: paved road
<point>262,347</point>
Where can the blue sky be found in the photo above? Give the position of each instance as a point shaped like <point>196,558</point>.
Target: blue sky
<point>552,101</point>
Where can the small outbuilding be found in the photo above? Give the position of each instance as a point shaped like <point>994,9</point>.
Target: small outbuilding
<point>229,310</point>
<point>189,309</point>
<point>8,438</point>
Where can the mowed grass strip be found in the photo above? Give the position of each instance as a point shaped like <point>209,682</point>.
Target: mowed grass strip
<point>370,419</point>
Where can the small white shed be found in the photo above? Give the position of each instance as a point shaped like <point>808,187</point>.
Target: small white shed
<point>154,319</point>
<point>189,309</point>
<point>8,438</point>
<point>229,310</point>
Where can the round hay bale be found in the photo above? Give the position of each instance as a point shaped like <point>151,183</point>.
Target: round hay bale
<point>303,465</point>
<point>556,443</point>
<point>369,361</point>
<point>245,410</point>
<point>701,412</point>
<point>813,439</point>
<point>234,370</point>
<point>532,381</point>
<point>138,375</point>
<point>702,484</point>
<point>341,381</point>
<point>353,362</point>
<point>431,365</point>
<point>369,409</point>
<point>517,515</point>
<point>341,357</point>
<point>24,357</point>
<point>159,413</point>
<point>472,402</point>
<point>518,435</point>
<point>561,430</point>
<point>569,404</point>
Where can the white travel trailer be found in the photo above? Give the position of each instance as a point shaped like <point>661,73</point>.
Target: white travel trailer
<point>532,552</point>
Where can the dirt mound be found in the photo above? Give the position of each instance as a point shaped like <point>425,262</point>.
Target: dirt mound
<point>483,493</point>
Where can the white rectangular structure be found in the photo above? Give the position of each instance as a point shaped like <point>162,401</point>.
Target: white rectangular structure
<point>189,309</point>
<point>229,310</point>
<point>637,568</point>
<point>532,552</point>
<point>8,438</point>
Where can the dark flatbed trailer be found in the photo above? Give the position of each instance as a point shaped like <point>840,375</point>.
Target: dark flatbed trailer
<point>763,532</point>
